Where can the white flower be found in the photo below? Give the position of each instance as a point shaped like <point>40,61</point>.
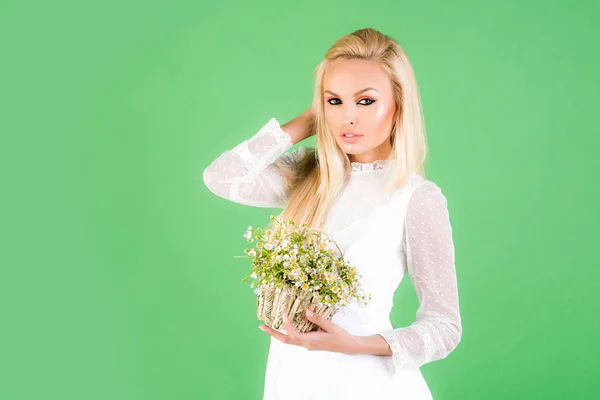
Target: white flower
<point>252,253</point>
<point>254,275</point>
<point>286,257</point>
<point>257,291</point>
<point>248,234</point>
<point>249,228</point>
<point>268,246</point>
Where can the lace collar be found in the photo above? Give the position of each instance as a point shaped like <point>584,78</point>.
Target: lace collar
<point>370,166</point>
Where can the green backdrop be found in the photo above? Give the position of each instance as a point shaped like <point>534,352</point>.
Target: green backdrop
<point>118,279</point>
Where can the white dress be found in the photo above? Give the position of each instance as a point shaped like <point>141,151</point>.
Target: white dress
<point>384,237</point>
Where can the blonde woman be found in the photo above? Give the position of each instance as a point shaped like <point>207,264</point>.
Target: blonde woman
<point>365,186</point>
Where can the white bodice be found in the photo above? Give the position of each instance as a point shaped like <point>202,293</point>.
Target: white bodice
<point>369,230</point>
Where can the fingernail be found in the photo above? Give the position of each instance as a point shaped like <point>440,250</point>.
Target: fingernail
<point>309,313</point>
<point>261,328</point>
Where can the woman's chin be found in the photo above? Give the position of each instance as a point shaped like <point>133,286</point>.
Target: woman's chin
<point>351,148</point>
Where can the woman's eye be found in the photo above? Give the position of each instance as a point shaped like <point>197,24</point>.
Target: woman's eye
<point>370,101</point>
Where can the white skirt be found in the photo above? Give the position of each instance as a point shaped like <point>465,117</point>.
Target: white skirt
<point>295,373</point>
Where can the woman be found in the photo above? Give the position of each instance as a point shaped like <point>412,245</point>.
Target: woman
<point>364,185</point>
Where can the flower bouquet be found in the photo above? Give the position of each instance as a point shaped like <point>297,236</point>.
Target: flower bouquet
<point>295,269</point>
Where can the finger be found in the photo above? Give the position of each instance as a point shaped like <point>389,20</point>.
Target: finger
<point>276,334</point>
<point>289,328</point>
<point>297,338</point>
<point>323,323</point>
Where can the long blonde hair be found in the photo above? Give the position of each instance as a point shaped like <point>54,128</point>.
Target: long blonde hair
<point>320,175</point>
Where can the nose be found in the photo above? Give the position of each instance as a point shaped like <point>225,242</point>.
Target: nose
<point>349,118</point>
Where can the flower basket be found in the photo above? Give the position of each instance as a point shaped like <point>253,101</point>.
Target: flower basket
<point>296,270</point>
<point>273,302</point>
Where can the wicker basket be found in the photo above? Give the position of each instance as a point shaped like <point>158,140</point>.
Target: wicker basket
<point>273,302</point>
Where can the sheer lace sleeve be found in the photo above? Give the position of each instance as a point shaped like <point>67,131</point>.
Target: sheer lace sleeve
<point>430,258</point>
<point>249,173</point>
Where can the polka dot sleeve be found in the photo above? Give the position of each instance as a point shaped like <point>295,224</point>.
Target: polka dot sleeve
<point>429,252</point>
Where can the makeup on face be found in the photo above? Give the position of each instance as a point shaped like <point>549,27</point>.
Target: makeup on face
<point>359,106</point>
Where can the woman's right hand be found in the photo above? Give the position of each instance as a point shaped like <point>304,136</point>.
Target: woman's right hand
<point>301,127</point>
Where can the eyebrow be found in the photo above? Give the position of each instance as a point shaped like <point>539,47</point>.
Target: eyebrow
<point>356,94</point>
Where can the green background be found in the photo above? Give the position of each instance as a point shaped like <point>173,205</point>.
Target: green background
<point>118,279</point>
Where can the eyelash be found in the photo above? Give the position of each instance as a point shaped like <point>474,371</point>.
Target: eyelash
<point>371,101</point>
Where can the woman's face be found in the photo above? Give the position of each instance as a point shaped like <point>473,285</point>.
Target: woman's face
<point>349,108</point>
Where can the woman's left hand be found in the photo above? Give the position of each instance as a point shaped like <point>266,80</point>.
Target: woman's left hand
<point>330,337</point>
